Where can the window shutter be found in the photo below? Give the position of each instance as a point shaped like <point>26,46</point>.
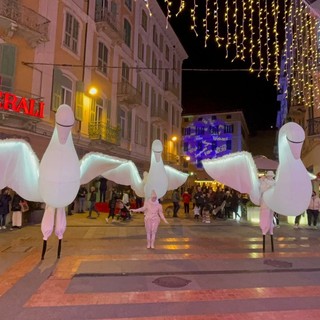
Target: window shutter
<point>129,124</point>
<point>8,59</point>
<point>79,100</point>
<point>56,89</point>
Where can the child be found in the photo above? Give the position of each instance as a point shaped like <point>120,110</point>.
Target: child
<point>196,211</point>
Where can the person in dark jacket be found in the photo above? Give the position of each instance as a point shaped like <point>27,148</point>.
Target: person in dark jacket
<point>112,206</point>
<point>5,199</point>
<point>93,200</point>
<point>103,189</point>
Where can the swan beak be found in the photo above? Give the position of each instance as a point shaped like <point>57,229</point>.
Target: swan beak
<point>157,149</point>
<point>63,133</point>
<point>157,156</point>
<point>64,122</point>
<point>296,148</point>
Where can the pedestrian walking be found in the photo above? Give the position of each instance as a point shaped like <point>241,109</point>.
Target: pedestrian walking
<point>82,193</point>
<point>313,210</point>
<point>175,200</point>
<point>5,199</point>
<point>93,200</point>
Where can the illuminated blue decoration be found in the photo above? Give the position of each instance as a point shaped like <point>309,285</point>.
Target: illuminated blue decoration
<point>207,138</point>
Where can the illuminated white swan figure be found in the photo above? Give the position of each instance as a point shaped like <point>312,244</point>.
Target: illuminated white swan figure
<point>290,195</point>
<point>57,179</point>
<point>160,177</point>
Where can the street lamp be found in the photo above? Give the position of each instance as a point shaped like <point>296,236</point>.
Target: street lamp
<point>93,91</point>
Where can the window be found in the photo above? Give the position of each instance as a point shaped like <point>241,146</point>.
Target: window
<point>155,35</point>
<point>146,94</point>
<point>62,90</point>
<point>102,58</point>
<point>229,144</point>
<point>125,72</point>
<point>144,20</point>
<point>148,56</point>
<point>141,133</point>
<point>167,53</point>
<point>71,33</point>
<point>101,9</point>
<point>123,124</point>
<point>7,66</point>
<point>154,64</point>
<point>153,99</point>
<point>174,62</point>
<point>96,110</point>
<point>228,128</point>
<point>127,32</point>
<point>66,91</point>
<point>161,43</point>
<point>140,48</point>
<point>128,4</point>
<point>160,71</point>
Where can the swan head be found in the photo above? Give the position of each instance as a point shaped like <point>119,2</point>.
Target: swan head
<point>157,149</point>
<point>293,135</point>
<point>64,122</point>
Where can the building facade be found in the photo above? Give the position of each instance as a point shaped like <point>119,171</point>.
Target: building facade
<point>55,52</point>
<point>209,136</point>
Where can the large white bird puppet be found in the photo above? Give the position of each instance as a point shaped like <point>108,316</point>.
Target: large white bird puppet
<point>291,193</point>
<point>56,180</point>
<point>160,177</point>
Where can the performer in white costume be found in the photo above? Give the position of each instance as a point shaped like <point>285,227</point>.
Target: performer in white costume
<point>291,192</point>
<point>266,214</point>
<point>56,180</point>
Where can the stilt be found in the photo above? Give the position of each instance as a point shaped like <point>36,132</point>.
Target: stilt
<point>272,248</point>
<point>59,249</point>
<point>263,243</point>
<point>44,249</point>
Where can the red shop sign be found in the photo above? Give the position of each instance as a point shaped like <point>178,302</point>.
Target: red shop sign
<point>28,106</point>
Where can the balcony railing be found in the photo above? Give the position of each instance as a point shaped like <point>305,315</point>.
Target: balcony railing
<point>168,86</point>
<point>159,115</point>
<point>314,126</point>
<point>16,17</point>
<point>99,130</point>
<point>129,94</point>
<point>108,21</point>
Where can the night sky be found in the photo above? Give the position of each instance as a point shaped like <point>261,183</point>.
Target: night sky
<point>212,91</point>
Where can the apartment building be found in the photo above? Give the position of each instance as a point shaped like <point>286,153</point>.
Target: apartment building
<point>116,63</point>
<point>208,136</point>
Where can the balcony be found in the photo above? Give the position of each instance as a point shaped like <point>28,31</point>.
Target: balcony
<point>18,19</point>
<point>170,158</point>
<point>108,22</point>
<point>172,88</point>
<point>104,132</point>
<point>314,127</point>
<point>128,94</point>
<point>159,116</point>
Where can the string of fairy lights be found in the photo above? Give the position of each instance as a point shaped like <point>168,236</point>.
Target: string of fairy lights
<point>262,33</point>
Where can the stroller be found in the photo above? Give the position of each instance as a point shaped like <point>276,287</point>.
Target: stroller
<point>124,211</point>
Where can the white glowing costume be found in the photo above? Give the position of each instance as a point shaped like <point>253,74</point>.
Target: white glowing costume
<point>56,180</point>
<point>160,177</point>
<point>292,190</point>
